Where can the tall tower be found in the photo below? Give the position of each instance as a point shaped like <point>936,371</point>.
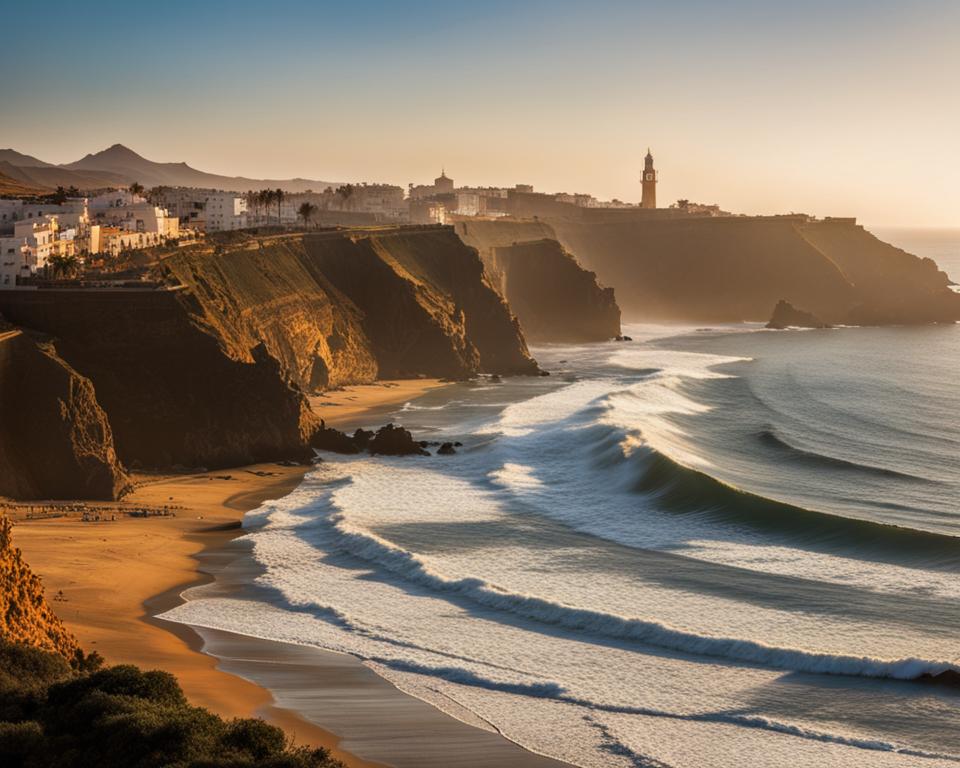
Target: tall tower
<point>649,183</point>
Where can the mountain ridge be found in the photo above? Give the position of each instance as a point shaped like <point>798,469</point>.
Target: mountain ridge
<point>118,165</point>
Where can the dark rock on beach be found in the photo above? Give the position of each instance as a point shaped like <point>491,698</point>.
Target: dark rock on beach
<point>391,440</point>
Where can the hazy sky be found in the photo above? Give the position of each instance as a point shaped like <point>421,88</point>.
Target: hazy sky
<point>846,107</point>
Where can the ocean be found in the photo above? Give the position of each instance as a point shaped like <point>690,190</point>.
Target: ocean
<point>718,546</point>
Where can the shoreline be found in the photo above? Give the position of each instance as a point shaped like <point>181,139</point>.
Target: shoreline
<point>157,559</point>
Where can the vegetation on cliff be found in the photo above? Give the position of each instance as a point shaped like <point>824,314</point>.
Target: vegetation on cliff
<point>121,717</point>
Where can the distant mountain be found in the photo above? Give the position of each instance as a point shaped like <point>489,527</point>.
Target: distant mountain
<point>119,166</point>
<point>54,176</point>
<point>18,158</point>
<point>10,187</point>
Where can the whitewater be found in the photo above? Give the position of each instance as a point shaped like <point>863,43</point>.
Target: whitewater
<point>708,546</point>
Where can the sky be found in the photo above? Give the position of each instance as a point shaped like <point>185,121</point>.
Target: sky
<point>844,108</point>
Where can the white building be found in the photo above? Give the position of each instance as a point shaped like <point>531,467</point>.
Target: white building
<point>14,261</point>
<point>225,211</point>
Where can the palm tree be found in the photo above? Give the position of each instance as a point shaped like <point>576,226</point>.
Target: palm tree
<point>63,265</point>
<point>279,195</point>
<point>306,212</point>
<point>136,188</point>
<point>265,197</point>
<point>346,192</point>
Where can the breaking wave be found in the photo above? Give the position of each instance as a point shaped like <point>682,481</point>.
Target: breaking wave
<point>371,548</point>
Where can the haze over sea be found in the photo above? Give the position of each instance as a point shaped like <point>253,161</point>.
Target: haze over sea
<point>706,544</point>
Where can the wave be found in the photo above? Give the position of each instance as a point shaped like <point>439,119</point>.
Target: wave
<point>678,488</point>
<point>552,690</point>
<point>407,565</point>
<point>770,439</point>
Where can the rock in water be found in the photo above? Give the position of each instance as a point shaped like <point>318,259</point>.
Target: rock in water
<point>785,315</point>
<point>446,449</point>
<point>395,441</point>
<point>330,439</point>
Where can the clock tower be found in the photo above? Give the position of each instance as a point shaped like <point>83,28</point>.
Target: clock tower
<point>649,183</point>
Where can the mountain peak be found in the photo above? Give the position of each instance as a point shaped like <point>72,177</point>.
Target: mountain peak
<point>118,151</point>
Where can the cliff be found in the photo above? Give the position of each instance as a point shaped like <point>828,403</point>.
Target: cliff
<point>735,268</point>
<point>553,297</point>
<point>891,286</point>
<point>174,391</point>
<point>55,440</point>
<point>213,370</point>
<point>427,306</point>
<point>25,615</point>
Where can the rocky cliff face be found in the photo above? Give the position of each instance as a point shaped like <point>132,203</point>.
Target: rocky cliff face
<point>554,298</point>
<point>55,439</point>
<point>174,391</point>
<point>732,269</point>
<point>427,305</point>
<point>25,615</point>
<point>891,286</point>
<point>214,371</point>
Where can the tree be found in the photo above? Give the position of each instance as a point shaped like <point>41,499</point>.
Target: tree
<point>306,212</point>
<point>136,188</point>
<point>59,197</point>
<point>63,265</point>
<point>265,197</point>
<point>346,192</point>
<point>279,196</point>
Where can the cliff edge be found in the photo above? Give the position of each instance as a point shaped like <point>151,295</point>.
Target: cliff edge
<point>55,439</point>
<point>213,368</point>
<point>554,298</point>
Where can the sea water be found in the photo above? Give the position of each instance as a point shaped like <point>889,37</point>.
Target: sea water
<point>709,546</point>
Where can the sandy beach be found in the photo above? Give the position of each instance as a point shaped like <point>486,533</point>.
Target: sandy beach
<point>358,406</point>
<point>109,578</point>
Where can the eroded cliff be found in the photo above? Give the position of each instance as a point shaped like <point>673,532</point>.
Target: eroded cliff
<point>554,298</point>
<point>737,268</point>
<point>427,305</point>
<point>55,439</point>
<point>25,615</point>
<point>213,370</point>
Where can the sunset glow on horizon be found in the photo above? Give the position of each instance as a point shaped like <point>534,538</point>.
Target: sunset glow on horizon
<point>759,107</point>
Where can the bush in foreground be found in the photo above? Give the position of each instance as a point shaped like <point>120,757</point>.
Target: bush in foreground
<point>54,716</point>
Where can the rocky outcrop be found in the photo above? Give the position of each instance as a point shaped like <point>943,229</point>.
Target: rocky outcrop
<point>785,315</point>
<point>25,615</point>
<point>553,297</point>
<point>55,439</point>
<point>213,372</point>
<point>389,440</point>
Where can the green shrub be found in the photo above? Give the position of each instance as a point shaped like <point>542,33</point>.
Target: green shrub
<point>52,716</point>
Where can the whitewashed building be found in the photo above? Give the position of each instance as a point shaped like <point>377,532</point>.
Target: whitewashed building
<point>225,211</point>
